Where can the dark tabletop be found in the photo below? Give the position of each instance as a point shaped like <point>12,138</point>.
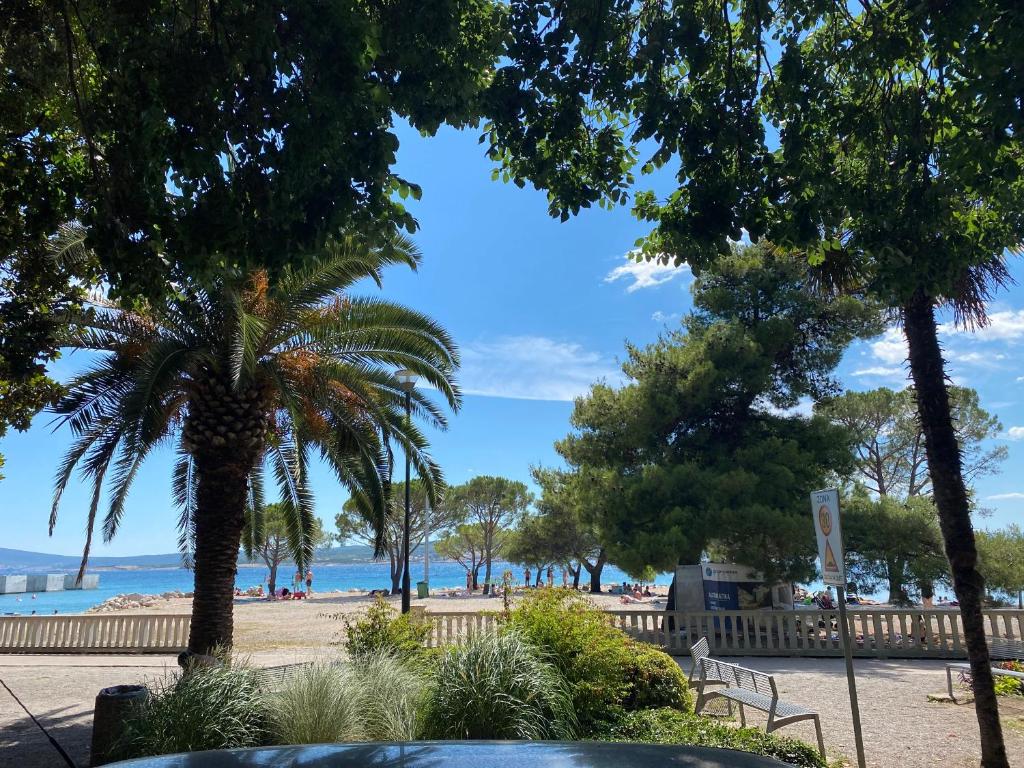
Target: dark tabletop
<point>464,754</point>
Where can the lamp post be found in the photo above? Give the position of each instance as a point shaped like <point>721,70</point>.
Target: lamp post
<point>407,380</point>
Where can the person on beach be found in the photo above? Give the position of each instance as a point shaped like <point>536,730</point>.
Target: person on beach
<point>526,577</point>
<point>551,577</point>
<point>297,581</point>
<point>565,578</point>
<point>309,582</point>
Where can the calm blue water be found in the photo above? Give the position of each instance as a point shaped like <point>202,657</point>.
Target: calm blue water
<point>362,576</point>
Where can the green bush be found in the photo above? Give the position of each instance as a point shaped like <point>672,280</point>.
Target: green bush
<point>383,629</point>
<point>670,726</point>
<point>204,708</point>
<point>1010,686</point>
<point>376,697</point>
<point>579,639</point>
<point>655,680</point>
<point>496,686</point>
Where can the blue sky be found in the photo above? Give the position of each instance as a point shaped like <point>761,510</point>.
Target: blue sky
<point>540,309</point>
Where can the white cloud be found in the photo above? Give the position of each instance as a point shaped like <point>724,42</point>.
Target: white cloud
<point>882,372</point>
<point>532,368</point>
<point>1020,379</point>
<point>891,349</point>
<point>644,274</point>
<point>1005,496</point>
<point>664,317</point>
<point>1013,433</point>
<point>1006,325</point>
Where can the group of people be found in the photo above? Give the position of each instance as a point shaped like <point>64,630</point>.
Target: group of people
<point>540,577</point>
<point>634,593</point>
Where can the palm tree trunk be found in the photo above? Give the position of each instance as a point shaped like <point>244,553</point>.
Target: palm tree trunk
<point>220,514</point>
<point>943,452</point>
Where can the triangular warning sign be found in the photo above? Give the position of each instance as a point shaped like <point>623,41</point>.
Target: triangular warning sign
<point>830,563</point>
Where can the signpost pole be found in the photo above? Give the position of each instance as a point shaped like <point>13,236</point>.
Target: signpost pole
<point>844,635</point>
<point>829,532</point>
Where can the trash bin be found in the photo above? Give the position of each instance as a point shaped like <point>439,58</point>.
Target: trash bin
<point>422,590</point>
<point>113,705</point>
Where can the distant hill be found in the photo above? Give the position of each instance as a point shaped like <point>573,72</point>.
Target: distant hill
<point>20,560</point>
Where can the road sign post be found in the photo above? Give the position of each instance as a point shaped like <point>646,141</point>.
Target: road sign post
<point>827,526</point>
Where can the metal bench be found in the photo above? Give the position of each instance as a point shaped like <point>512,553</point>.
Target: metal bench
<point>1000,649</point>
<point>750,688</point>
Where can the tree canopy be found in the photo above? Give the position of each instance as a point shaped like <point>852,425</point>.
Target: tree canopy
<point>697,448</point>
<point>494,506</point>
<point>889,440</point>
<point>1001,560</point>
<point>229,134</point>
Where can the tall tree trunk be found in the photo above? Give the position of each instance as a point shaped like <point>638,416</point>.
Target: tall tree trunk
<point>897,592</point>
<point>943,452</point>
<point>272,579</point>
<point>595,573</point>
<point>487,577</point>
<point>576,576</point>
<point>396,575</point>
<point>220,514</point>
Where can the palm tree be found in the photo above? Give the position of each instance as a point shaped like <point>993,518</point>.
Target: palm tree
<point>245,374</point>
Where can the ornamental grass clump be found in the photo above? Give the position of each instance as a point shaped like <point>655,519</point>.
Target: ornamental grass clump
<point>376,697</point>
<point>498,686</point>
<point>220,707</point>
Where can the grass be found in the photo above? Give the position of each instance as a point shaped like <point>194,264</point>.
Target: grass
<point>206,708</point>
<point>378,697</point>
<point>497,686</point>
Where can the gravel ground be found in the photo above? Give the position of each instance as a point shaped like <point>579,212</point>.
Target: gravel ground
<point>901,727</point>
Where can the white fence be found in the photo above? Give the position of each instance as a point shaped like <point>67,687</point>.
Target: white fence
<point>879,633</point>
<point>102,633</point>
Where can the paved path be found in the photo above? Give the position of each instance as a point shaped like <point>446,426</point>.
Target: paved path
<point>901,727</point>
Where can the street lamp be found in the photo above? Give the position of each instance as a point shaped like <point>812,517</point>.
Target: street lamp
<point>407,380</point>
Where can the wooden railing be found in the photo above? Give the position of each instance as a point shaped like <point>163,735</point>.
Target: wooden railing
<point>879,633</point>
<point>104,633</point>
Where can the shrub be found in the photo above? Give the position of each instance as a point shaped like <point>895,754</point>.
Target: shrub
<point>205,708</point>
<point>376,697</point>
<point>496,686</point>
<point>670,726</point>
<point>383,629</point>
<point>655,680</point>
<point>578,638</point>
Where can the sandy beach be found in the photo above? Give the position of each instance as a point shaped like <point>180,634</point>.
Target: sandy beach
<point>315,625</point>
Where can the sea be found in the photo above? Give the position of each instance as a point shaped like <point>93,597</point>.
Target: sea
<point>327,578</point>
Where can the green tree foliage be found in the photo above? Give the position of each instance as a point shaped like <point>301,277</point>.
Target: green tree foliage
<point>889,445</point>
<point>697,449</point>
<point>242,376</point>
<point>559,533</point>
<point>494,506</point>
<point>1001,560</point>
<point>884,139</point>
<point>357,522</point>
<point>40,283</point>
<point>892,541</point>
<point>233,134</point>
<point>465,545</point>
<point>275,543</point>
